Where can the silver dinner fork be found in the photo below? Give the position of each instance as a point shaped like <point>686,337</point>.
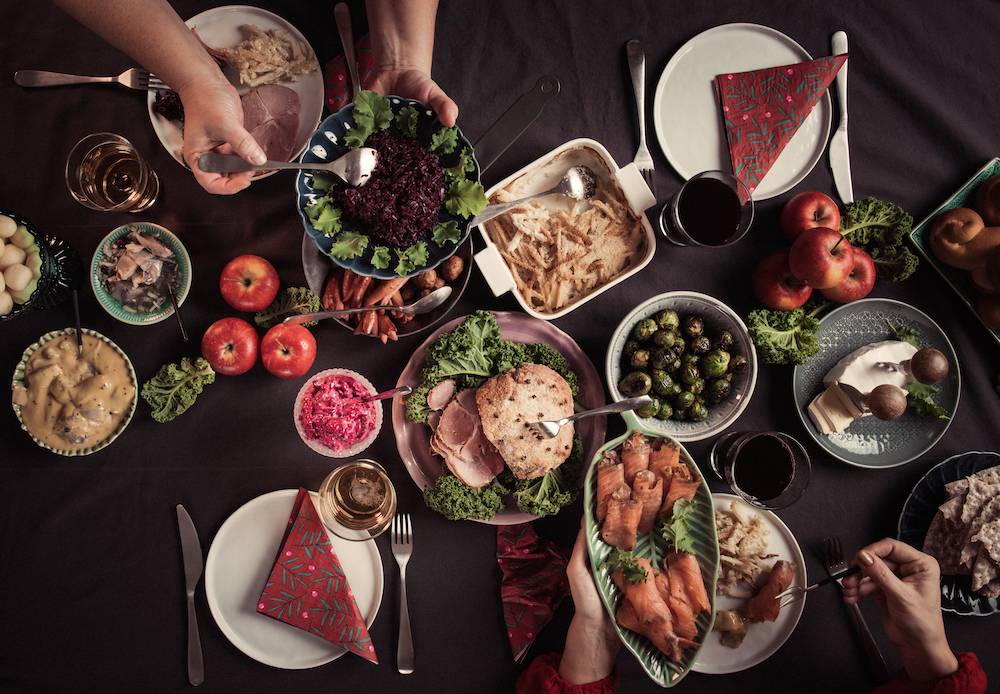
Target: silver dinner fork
<point>549,428</point>
<point>637,67</point>
<point>834,563</point>
<point>795,593</point>
<point>402,548</point>
<point>133,78</point>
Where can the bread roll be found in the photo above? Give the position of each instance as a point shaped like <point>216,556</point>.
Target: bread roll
<point>988,200</point>
<point>959,238</point>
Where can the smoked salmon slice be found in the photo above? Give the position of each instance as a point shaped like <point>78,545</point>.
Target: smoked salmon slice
<point>635,455</point>
<point>648,491</point>
<point>764,607</point>
<point>610,476</point>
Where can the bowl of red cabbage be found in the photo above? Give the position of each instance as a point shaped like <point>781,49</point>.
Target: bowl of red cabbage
<point>414,211</point>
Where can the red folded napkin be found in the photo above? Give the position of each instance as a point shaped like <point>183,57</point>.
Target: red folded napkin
<point>763,109</point>
<point>336,80</point>
<point>308,588</point>
<point>532,585</point>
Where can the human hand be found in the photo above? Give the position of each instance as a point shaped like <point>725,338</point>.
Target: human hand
<point>907,585</point>
<point>415,83</point>
<point>213,121</point>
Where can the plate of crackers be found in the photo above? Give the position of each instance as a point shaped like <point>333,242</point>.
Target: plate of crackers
<point>953,514</point>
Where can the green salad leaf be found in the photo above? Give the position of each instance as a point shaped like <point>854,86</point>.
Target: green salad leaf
<point>466,164</point>
<point>905,333</point>
<point>922,400</point>
<point>406,121</point>
<point>446,232</point>
<point>322,181</point>
<point>381,258</point>
<point>456,501</point>
<point>411,258</point>
<point>348,245</point>
<point>324,217</point>
<point>444,141</point>
<point>372,112</point>
<point>548,494</point>
<point>785,337</point>
<point>881,228</point>
<point>175,387</point>
<point>621,559</point>
<point>465,198</point>
<point>677,529</point>
<point>291,301</point>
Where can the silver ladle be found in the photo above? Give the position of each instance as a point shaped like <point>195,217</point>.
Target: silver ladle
<point>354,168</point>
<point>578,183</point>
<point>424,305</point>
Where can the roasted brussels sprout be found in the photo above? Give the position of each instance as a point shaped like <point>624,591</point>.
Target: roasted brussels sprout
<point>701,344</point>
<point>680,346</point>
<point>661,357</point>
<point>666,411</point>
<point>635,384</point>
<point>679,414</point>
<point>697,387</point>
<point>629,349</point>
<point>724,340</point>
<point>683,400</point>
<point>738,364</point>
<point>715,363</point>
<point>694,326</point>
<point>650,409</point>
<point>666,338</point>
<point>676,388</point>
<point>644,329</point>
<point>698,412</point>
<point>674,366</point>
<point>689,374</point>
<point>689,360</point>
<point>668,319</point>
<point>717,390</point>
<point>662,383</point>
<point>639,359</point>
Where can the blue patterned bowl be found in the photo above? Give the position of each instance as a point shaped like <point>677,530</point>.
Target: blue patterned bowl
<point>326,145</point>
<point>919,510</point>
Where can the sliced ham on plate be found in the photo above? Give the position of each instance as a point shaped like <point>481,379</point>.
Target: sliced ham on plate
<point>459,439</point>
<point>271,115</point>
<point>441,394</point>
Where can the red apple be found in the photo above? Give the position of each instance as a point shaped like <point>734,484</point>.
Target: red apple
<point>249,283</point>
<point>821,257</point>
<point>807,211</point>
<point>858,283</point>
<point>288,351</point>
<point>230,346</point>
<point>775,285</point>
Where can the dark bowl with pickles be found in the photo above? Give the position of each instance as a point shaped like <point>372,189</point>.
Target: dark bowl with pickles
<point>692,354</point>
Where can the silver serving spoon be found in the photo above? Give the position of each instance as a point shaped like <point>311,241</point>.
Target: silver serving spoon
<point>354,168</point>
<point>384,395</point>
<point>424,305</point>
<point>578,183</point>
<point>550,428</point>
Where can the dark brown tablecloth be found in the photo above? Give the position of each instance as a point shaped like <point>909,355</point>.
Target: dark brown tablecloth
<point>90,575</point>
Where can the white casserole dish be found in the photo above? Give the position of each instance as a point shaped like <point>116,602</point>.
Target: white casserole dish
<point>494,267</point>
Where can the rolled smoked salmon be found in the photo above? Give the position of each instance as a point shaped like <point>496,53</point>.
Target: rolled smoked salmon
<point>648,491</point>
<point>672,583</point>
<point>763,607</point>
<point>644,611</point>
<point>664,458</point>
<point>610,476</point>
<point>622,522</point>
<point>635,455</point>
<point>679,488</point>
<point>694,586</point>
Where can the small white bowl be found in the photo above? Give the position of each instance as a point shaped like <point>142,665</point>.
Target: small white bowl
<point>316,445</point>
<point>717,316</point>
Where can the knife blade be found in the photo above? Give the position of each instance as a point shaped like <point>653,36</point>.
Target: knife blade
<point>840,158</point>
<point>193,566</point>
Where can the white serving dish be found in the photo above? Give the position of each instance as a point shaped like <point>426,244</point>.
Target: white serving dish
<point>640,198</point>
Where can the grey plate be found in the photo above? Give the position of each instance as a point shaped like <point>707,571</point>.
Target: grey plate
<point>919,510</point>
<point>869,442</point>
<point>958,280</point>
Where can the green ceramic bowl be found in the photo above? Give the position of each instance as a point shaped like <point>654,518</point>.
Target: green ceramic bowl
<point>18,381</point>
<point>660,669</point>
<point>165,310</point>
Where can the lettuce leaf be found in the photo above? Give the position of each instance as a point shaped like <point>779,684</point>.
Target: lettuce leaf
<point>381,258</point>
<point>411,258</point>
<point>406,121</point>
<point>465,198</point>
<point>372,112</point>
<point>324,217</point>
<point>444,141</point>
<point>348,245</point>
<point>446,232</point>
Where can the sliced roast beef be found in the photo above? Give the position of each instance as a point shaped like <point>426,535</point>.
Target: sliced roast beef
<point>271,115</point>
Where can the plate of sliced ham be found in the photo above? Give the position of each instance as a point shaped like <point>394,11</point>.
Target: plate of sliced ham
<point>281,116</point>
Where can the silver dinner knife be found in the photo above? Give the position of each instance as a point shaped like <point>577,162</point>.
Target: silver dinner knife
<point>840,156</point>
<point>191,548</point>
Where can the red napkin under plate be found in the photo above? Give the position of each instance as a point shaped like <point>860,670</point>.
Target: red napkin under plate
<point>308,588</point>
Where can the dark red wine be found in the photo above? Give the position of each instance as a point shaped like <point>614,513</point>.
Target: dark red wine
<point>763,466</point>
<point>709,211</point>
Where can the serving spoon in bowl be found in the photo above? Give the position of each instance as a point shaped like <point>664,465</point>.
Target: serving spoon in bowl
<point>418,307</point>
<point>550,428</point>
<point>578,183</point>
<point>354,168</point>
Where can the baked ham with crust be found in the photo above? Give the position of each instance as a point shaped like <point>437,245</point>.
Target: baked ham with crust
<point>458,438</point>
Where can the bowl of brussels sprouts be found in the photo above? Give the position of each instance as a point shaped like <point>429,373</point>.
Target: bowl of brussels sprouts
<point>693,355</point>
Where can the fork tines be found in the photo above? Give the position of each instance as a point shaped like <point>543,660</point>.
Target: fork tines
<point>148,80</point>
<point>833,554</point>
<point>647,175</point>
<point>401,530</point>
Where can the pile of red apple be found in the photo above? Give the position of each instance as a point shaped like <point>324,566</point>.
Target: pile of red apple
<point>820,258</point>
<point>250,283</point>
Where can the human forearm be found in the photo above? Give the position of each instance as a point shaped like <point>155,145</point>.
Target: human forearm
<point>402,33</point>
<point>590,652</point>
<point>928,661</point>
<point>176,55</point>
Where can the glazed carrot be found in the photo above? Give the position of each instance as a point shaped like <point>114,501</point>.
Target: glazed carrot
<point>386,328</point>
<point>331,300</point>
<point>635,455</point>
<point>383,290</point>
<point>358,291</point>
<point>620,525</point>
<point>396,299</point>
<point>648,491</point>
<point>679,489</point>
<point>680,608</point>
<point>664,457</point>
<point>687,567</point>
<point>346,282</point>
<point>610,476</point>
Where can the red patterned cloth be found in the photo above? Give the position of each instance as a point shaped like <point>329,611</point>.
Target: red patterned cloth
<point>542,677</point>
<point>968,679</point>
<point>763,109</point>
<point>338,83</point>
<point>308,588</point>
<point>532,585</point>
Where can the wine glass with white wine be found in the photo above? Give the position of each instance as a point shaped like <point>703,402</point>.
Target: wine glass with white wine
<point>105,173</point>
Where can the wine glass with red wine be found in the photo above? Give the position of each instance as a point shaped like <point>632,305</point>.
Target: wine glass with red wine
<point>767,469</point>
<point>711,209</point>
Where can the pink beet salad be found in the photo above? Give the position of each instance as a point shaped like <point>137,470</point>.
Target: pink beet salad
<point>326,419</point>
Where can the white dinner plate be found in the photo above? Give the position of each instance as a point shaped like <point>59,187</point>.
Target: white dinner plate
<point>686,107</point>
<point>764,639</point>
<point>239,562</point>
<point>219,27</point>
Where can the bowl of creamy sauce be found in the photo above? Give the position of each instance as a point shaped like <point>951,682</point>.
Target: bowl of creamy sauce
<point>74,401</point>
<point>329,418</point>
